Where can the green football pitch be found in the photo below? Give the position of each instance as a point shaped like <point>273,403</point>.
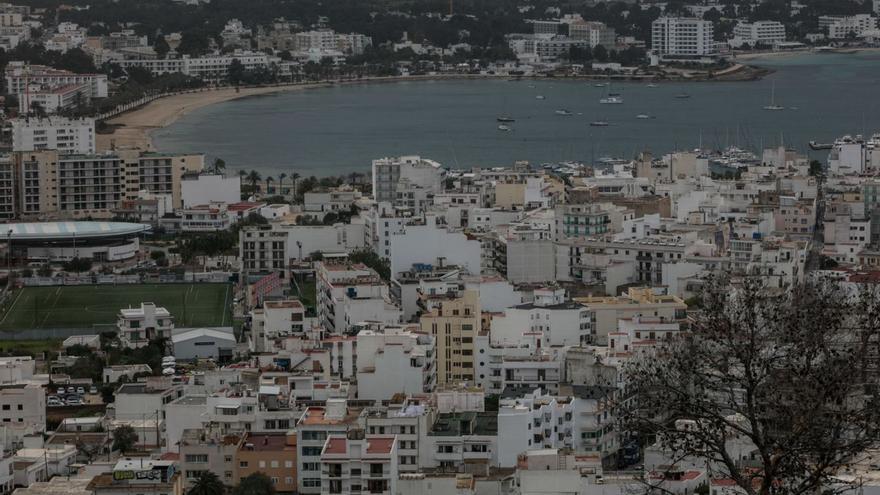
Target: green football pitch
<point>83,306</point>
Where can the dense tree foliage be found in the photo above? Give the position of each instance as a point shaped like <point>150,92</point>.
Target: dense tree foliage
<point>789,374</point>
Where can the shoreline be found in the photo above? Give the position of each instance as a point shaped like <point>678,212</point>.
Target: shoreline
<point>749,56</point>
<point>134,128</point>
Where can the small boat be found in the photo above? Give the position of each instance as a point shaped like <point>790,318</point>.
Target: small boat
<point>599,123</point>
<point>563,112</point>
<point>793,108</point>
<point>505,118</point>
<point>773,105</point>
<point>643,116</point>
<point>539,97</point>
<point>652,85</point>
<point>600,85</point>
<point>820,146</point>
<point>682,96</point>
<point>612,99</point>
<point>504,127</point>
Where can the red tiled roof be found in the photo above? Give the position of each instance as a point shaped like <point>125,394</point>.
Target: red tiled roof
<point>380,445</point>
<point>336,446</point>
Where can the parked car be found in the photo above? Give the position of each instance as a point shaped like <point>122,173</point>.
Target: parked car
<point>54,403</point>
<point>71,390</point>
<point>74,402</point>
<point>80,390</point>
<point>93,389</point>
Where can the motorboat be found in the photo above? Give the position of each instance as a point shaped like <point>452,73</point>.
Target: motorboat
<point>564,112</point>
<point>612,99</point>
<point>505,118</point>
<point>599,123</point>
<point>504,127</point>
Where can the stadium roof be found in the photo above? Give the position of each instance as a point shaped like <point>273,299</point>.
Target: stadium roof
<point>67,230</point>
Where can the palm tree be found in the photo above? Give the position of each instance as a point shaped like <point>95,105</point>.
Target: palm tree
<point>269,180</point>
<point>207,484</point>
<point>219,165</point>
<point>281,178</point>
<point>253,177</point>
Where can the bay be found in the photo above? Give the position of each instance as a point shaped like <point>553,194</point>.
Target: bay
<point>337,130</point>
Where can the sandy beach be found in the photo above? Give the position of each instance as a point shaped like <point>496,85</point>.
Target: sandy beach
<point>133,128</point>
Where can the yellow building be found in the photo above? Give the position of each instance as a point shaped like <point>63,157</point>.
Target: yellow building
<point>454,321</point>
<point>272,454</point>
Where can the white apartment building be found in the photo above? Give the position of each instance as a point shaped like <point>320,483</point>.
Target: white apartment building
<point>759,32</point>
<point>312,430</point>
<point>137,326</point>
<point>640,333</point>
<point>417,171</point>
<point>356,463</point>
<point>16,369</point>
<point>53,100</point>
<point>406,421</point>
<point>267,248</point>
<point>549,321</point>
<point>349,294</point>
<point>533,421</point>
<point>526,365</point>
<point>840,27</point>
<point>435,245</point>
<point>19,75</point>
<point>212,217</point>
<point>276,319</point>
<point>207,68</point>
<point>459,437</point>
<point>203,189</point>
<point>69,136</point>
<point>22,412</point>
<point>682,37</point>
<point>392,360</point>
<point>145,400</point>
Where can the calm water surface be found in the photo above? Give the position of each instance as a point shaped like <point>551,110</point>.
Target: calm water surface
<point>340,130</point>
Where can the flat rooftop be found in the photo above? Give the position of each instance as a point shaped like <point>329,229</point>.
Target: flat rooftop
<point>467,423</point>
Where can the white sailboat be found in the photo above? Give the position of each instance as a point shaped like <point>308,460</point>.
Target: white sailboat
<point>773,105</point>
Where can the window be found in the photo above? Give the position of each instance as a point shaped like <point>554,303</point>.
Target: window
<point>199,458</point>
<point>288,480</point>
<point>288,464</point>
<point>274,464</point>
<point>243,464</point>
<point>274,480</point>
<point>227,458</point>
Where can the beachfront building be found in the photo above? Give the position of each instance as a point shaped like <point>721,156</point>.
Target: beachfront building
<point>54,133</point>
<point>682,37</point>
<point>210,68</point>
<point>765,33</point>
<point>54,185</point>
<point>21,75</point>
<point>844,26</point>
